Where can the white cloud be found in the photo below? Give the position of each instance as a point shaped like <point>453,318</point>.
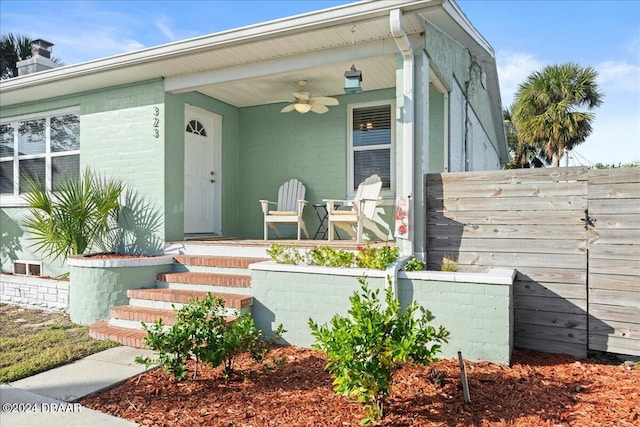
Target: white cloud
<point>166,30</point>
<point>513,69</point>
<point>620,75</point>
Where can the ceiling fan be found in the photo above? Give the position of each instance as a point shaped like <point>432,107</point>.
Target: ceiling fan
<point>304,102</point>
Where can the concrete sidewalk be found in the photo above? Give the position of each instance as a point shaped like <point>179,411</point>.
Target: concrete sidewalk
<point>46,399</point>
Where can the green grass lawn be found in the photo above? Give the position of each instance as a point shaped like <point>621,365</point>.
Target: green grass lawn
<point>33,341</point>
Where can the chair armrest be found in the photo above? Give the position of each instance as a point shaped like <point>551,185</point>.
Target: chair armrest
<point>361,203</point>
<point>265,205</point>
<point>301,205</point>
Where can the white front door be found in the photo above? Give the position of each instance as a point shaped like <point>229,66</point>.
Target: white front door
<point>202,163</point>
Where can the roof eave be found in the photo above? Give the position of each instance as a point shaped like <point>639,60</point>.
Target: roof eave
<point>363,10</point>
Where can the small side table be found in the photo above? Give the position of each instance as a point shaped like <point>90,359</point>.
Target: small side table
<point>323,215</point>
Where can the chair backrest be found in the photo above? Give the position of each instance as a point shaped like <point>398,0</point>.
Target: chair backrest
<point>369,189</point>
<point>289,194</point>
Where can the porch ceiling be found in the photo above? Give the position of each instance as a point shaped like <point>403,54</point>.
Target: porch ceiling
<point>268,71</point>
<point>261,64</point>
<point>228,55</point>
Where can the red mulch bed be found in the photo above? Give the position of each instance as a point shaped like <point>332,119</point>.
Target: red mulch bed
<point>540,389</point>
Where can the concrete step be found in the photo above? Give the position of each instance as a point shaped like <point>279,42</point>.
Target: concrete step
<point>131,317</point>
<point>129,337</point>
<point>127,316</point>
<point>216,261</point>
<point>209,279</point>
<point>167,298</point>
<point>255,249</point>
<point>216,283</point>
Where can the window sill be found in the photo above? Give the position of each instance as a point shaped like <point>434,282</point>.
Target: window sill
<point>11,201</point>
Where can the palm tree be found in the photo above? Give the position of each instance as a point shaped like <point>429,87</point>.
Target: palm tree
<point>546,112</point>
<point>15,48</point>
<point>78,218</point>
<point>523,155</point>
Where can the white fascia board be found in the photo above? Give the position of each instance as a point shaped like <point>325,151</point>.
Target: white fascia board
<point>325,18</point>
<point>480,47</point>
<point>454,11</point>
<point>189,82</point>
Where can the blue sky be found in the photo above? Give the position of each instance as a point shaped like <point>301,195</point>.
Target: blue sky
<point>526,35</point>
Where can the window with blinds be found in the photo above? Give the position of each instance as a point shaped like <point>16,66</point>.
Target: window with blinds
<point>44,148</point>
<point>371,144</point>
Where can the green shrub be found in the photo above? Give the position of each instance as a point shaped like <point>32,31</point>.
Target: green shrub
<point>201,332</point>
<point>328,257</point>
<point>282,255</point>
<point>449,264</point>
<point>376,258</point>
<point>414,264</point>
<point>77,217</point>
<point>366,347</point>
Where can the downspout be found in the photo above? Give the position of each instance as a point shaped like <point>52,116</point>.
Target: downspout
<point>392,272</point>
<point>402,41</point>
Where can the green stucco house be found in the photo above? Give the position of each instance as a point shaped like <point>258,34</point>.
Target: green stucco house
<point>196,126</point>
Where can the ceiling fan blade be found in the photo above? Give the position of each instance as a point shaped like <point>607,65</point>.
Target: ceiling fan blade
<point>302,95</point>
<point>325,100</point>
<point>319,108</point>
<point>288,108</point>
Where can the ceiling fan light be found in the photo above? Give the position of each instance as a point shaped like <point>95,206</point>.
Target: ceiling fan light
<point>302,107</point>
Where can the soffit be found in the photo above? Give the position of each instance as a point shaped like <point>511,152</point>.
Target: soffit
<point>196,55</point>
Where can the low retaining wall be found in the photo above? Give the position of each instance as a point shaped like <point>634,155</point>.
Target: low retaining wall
<point>35,292</point>
<point>96,285</point>
<point>476,308</point>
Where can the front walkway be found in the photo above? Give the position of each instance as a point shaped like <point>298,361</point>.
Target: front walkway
<point>46,399</point>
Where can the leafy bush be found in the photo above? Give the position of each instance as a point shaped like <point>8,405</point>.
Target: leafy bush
<point>376,258</point>
<point>202,332</point>
<point>414,264</point>
<point>449,264</point>
<point>366,347</point>
<point>282,255</point>
<point>328,257</point>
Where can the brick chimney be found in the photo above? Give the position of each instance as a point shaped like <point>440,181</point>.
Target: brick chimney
<point>40,58</point>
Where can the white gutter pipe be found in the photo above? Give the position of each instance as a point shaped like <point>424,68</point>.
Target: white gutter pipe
<point>402,41</point>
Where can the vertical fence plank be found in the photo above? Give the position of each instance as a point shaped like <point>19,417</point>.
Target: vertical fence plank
<point>534,221</point>
<point>529,220</point>
<point>614,260</point>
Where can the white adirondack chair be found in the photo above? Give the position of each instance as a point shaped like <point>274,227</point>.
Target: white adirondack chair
<point>289,208</point>
<point>362,211</point>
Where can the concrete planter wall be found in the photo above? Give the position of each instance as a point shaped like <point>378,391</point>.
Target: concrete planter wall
<point>34,292</point>
<point>96,284</point>
<point>476,308</point>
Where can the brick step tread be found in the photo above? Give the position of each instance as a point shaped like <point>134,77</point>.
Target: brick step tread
<point>216,261</point>
<point>143,314</point>
<point>125,336</point>
<point>182,296</point>
<point>215,279</point>
<point>148,315</point>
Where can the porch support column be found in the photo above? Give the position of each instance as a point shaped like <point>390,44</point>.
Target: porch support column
<point>402,41</point>
<point>421,152</point>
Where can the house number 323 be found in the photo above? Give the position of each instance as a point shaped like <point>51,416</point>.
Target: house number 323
<point>156,122</point>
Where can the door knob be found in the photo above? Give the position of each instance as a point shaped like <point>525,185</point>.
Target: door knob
<point>213,180</point>
<point>212,173</point>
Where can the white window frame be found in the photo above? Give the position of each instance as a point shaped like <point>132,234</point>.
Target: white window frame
<point>386,193</point>
<point>14,199</point>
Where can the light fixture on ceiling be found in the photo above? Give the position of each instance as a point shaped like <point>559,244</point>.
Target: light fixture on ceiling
<point>304,102</point>
<point>353,77</point>
<point>352,80</point>
<point>302,107</point>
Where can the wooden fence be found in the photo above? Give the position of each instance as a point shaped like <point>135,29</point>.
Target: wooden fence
<point>577,287</point>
